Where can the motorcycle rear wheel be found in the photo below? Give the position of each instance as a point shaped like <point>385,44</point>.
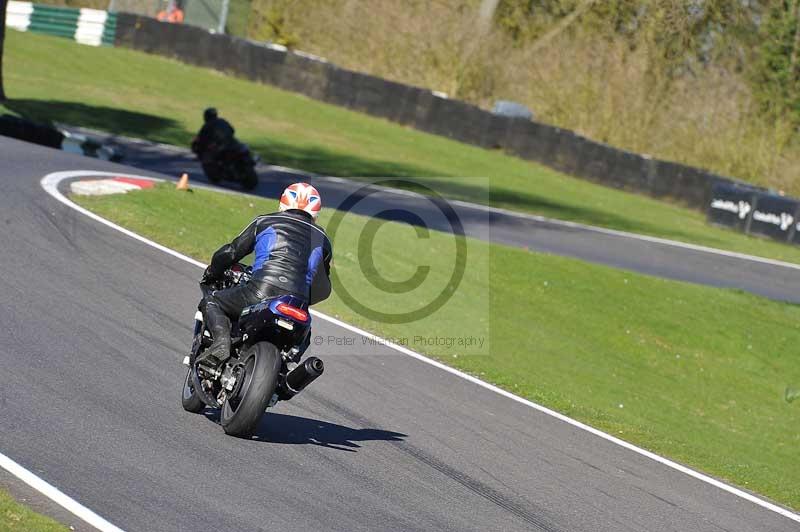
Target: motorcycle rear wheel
<point>212,172</point>
<point>249,178</point>
<point>260,365</point>
<point>190,400</point>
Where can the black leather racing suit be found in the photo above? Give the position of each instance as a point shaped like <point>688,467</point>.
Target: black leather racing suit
<point>292,256</point>
<point>215,137</point>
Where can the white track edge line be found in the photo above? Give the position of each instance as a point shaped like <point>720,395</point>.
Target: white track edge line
<point>50,184</point>
<point>56,495</point>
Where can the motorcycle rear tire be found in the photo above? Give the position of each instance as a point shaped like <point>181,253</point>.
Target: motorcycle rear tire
<point>240,414</point>
<point>249,178</point>
<point>212,172</point>
<point>190,400</point>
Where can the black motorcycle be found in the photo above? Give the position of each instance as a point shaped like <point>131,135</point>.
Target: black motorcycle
<point>236,163</point>
<point>265,365</point>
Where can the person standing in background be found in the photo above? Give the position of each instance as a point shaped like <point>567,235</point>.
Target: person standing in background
<point>172,13</point>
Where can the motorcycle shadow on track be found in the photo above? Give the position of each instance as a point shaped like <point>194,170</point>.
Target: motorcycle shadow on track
<point>295,430</point>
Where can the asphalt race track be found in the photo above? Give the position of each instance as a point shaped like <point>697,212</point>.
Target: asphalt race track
<point>94,328</point>
<point>648,256</point>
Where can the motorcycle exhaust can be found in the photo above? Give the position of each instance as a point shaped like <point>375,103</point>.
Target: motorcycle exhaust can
<point>304,374</point>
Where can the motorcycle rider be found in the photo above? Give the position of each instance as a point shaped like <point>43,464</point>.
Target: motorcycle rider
<point>292,256</point>
<point>215,137</point>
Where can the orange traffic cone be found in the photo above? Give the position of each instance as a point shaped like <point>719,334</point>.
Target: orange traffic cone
<point>183,183</point>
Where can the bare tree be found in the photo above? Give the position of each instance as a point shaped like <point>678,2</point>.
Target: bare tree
<point>3,4</point>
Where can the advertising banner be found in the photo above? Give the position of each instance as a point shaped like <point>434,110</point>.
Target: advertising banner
<point>731,206</point>
<point>774,216</point>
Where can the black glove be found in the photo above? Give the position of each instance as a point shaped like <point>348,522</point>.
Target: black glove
<point>208,278</point>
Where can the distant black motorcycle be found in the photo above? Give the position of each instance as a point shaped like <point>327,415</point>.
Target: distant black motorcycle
<point>235,163</point>
<point>265,365</point>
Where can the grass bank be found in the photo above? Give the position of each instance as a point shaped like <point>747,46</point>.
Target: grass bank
<point>696,373</point>
<point>629,74</point>
<point>14,516</point>
<point>159,99</point>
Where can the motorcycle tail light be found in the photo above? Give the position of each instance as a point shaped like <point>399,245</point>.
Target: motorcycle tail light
<point>293,312</point>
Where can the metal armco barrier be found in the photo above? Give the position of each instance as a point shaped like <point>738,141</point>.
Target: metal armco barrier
<point>86,26</point>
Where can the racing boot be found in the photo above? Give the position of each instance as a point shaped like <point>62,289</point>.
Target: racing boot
<point>219,351</point>
<point>219,326</point>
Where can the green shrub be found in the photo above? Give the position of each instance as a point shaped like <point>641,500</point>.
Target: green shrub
<point>777,79</point>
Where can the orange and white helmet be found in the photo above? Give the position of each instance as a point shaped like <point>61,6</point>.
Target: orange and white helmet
<point>301,196</point>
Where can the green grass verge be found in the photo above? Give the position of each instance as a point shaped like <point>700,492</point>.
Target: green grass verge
<point>696,373</point>
<point>14,516</point>
<point>132,93</point>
